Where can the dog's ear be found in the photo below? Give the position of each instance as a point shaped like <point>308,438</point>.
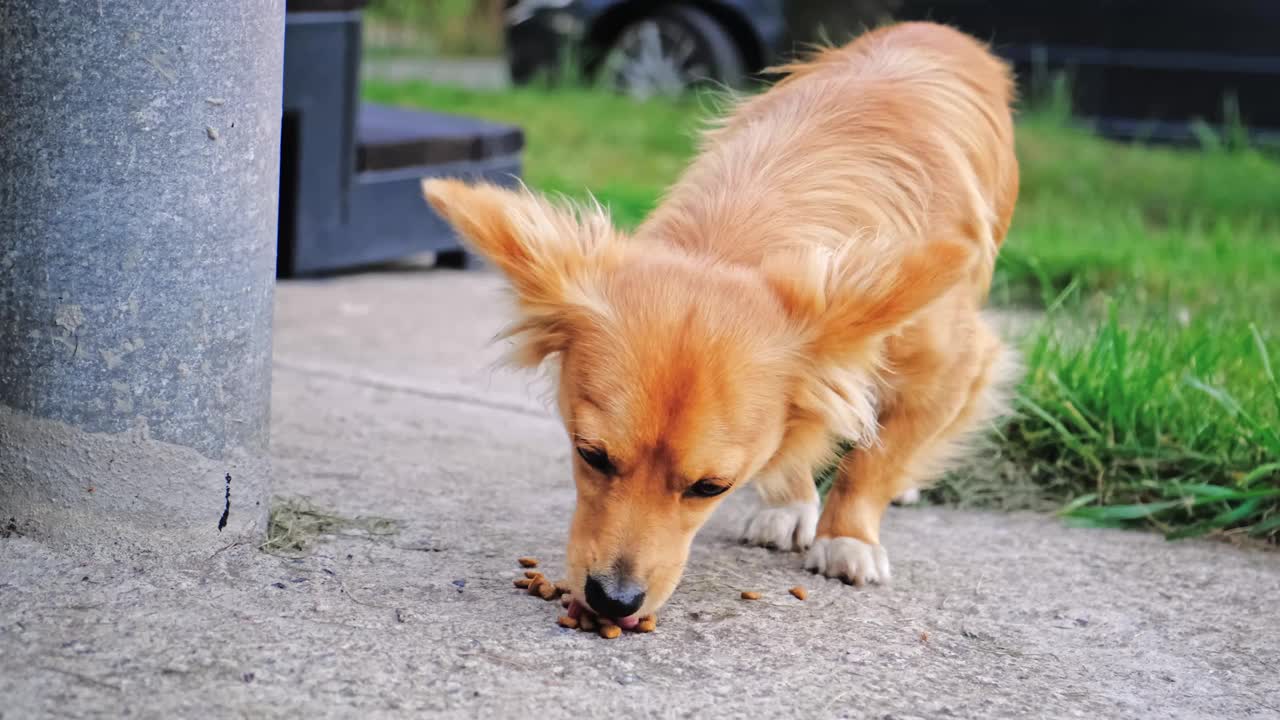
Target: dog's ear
<point>845,300</point>
<point>550,255</point>
<point>843,303</point>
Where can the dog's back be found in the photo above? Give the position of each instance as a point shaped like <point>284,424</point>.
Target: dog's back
<point>901,137</point>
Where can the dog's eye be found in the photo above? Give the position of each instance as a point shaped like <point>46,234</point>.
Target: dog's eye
<point>706,488</point>
<point>597,459</point>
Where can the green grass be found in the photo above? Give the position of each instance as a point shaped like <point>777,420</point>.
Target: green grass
<point>434,27</point>
<point>1150,397</point>
<point>1167,224</point>
<point>1174,426</point>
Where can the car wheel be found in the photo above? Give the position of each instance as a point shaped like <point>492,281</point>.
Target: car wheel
<point>669,53</point>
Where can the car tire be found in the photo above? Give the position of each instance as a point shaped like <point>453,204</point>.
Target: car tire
<point>697,49</point>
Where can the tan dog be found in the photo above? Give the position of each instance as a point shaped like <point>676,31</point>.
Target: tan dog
<point>816,274</point>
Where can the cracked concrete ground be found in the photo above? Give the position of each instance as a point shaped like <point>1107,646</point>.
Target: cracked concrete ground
<point>384,406</point>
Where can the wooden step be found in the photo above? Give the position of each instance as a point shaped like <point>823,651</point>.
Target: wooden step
<point>390,138</point>
<point>295,6</point>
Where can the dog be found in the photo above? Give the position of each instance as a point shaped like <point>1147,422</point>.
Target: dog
<point>816,275</point>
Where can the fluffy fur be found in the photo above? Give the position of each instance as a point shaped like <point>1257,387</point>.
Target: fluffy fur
<point>816,274</point>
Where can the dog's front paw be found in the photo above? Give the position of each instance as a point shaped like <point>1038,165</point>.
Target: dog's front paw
<point>789,527</point>
<point>910,496</point>
<point>848,559</point>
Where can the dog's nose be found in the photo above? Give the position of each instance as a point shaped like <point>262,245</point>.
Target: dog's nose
<point>613,599</point>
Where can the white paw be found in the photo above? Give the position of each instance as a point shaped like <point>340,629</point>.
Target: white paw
<point>908,497</point>
<point>848,559</point>
<point>790,527</point>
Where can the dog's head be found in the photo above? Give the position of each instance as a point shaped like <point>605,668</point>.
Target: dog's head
<point>680,378</point>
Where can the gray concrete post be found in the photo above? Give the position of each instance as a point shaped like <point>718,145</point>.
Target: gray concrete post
<point>139,154</point>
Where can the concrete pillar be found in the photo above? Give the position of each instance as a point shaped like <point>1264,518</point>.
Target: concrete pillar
<point>139,154</point>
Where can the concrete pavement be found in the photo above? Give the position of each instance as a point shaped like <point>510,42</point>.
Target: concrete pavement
<point>385,406</point>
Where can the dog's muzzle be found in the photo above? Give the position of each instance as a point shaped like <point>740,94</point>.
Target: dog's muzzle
<point>614,597</point>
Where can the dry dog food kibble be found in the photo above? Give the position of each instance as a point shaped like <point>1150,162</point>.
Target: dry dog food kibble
<point>800,593</point>
<point>750,595</point>
<point>578,616</point>
<point>547,590</point>
<point>536,586</point>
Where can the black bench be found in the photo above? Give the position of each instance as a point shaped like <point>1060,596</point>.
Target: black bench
<point>349,172</point>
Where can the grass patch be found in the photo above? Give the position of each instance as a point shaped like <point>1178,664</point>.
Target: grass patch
<point>1165,226</point>
<point>1150,398</point>
<point>434,27</point>
<point>295,525</point>
<point>1155,423</point>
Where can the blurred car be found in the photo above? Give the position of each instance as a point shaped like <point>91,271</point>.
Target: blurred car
<point>1153,69</point>
<point>643,48</point>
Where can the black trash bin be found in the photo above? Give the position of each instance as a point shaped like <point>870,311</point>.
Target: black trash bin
<point>349,172</point>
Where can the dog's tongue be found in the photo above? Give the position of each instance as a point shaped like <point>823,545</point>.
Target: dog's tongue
<point>627,623</point>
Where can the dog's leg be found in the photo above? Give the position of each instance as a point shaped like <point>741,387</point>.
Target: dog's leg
<point>788,516</point>
<point>848,537</point>
<point>917,440</point>
<point>910,496</point>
